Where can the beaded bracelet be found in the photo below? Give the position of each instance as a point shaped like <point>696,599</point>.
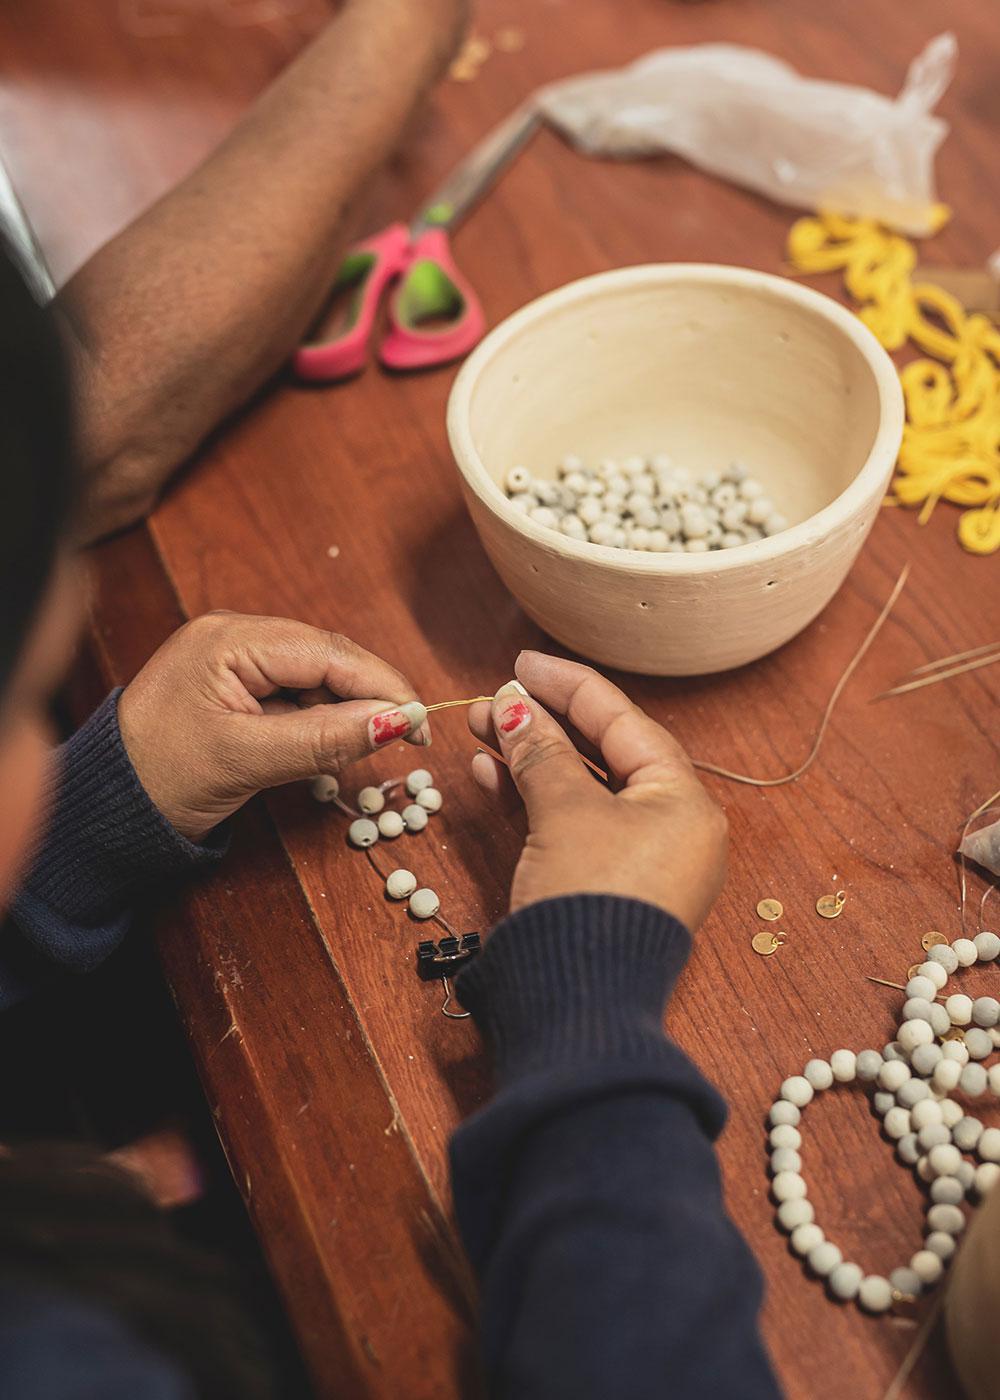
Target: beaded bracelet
<point>914,1075</point>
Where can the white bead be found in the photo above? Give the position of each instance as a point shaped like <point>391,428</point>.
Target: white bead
<point>883,1101</point>
<point>947,1191</point>
<point>927,1266</point>
<point>916,1009</point>
<point>545,515</point>
<point>922,988</point>
<point>732,516</point>
<point>868,1064</point>
<point>414,817</point>
<point>959,1009</point>
<point>896,1122</point>
<point>986,1011</point>
<point>979,1043</point>
<point>775,523</point>
<point>925,1057</point>
<point>424,904</point>
<point>819,1074</point>
<point>325,787</point>
<point>908,1150</point>
<point>845,1280</point>
<point>905,1281</point>
<point>973,1080</point>
<point>789,1186</point>
<point>911,1093</point>
<point>750,489</point>
<point>370,801</point>
<point>430,799</point>
<point>987,946</point>
<point>940,1020</point>
<point>824,1257</point>
<point>951,1113</point>
<point>522,502</point>
<point>573,527</point>
<point>955,1050</point>
<point>694,522</point>
<point>634,465</point>
<point>362,833</point>
<point>805,1238</point>
<point>785,1135</point>
<point>945,955</point>
<point>913,1034</point>
<point>797,1090</point>
<point>947,1218</point>
<point>732,540</point>
<point>391,824</point>
<point>946,1075</point>
<point>590,510</point>
<point>934,972</point>
<point>966,1175</point>
<point>418,780</point>
<point>993,1079</point>
<point>933,1135</point>
<point>795,1212</point>
<point>892,1074</point>
<point>894,1051</point>
<point>944,1159</point>
<point>987,1177</point>
<point>875,1293</point>
<point>924,1113</point>
<point>966,1133</point>
<point>782,1111</point>
<point>940,1244</point>
<point>517,479</point>
<point>785,1159</point>
<point>760,509</point>
<point>696,546</point>
<point>988,1147</point>
<point>844,1064</point>
<point>400,884</point>
<point>965,950</point>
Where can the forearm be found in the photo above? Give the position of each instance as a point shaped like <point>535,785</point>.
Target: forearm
<point>186,312</point>
<point>587,1191</point>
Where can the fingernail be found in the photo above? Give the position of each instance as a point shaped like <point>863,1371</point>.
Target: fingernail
<point>421,737</point>
<point>510,713</point>
<point>396,724</point>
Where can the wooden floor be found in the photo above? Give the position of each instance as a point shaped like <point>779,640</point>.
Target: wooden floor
<point>334,1080</point>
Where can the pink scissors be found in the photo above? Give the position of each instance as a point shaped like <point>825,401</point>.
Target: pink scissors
<point>428,285</point>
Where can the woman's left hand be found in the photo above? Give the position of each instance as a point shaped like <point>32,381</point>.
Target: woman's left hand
<point>208,721</point>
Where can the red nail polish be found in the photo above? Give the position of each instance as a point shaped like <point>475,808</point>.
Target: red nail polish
<point>384,728</point>
<point>514,716</point>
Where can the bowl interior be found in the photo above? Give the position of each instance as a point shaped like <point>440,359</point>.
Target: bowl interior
<point>689,363</point>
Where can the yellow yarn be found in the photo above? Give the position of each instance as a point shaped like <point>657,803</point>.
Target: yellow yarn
<point>951,441</point>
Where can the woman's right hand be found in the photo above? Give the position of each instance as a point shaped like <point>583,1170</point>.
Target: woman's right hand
<point>656,836</point>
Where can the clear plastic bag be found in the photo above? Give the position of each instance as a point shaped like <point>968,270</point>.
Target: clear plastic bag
<point>749,117</point>
<point>983,846</point>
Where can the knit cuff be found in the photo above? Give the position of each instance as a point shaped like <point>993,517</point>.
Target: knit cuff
<point>106,840</point>
<point>575,980</point>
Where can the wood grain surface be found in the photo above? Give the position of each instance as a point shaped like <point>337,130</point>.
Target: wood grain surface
<point>334,1080</point>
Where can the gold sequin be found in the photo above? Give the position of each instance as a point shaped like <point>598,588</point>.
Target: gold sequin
<point>954,1033</point>
<point>770,909</point>
<point>913,970</point>
<point>767,942</point>
<point>829,906</point>
<point>932,940</point>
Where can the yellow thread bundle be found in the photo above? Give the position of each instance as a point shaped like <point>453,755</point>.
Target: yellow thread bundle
<point>951,442</point>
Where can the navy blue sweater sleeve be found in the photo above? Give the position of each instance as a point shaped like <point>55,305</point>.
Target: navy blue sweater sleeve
<point>587,1191</point>
<point>106,843</point>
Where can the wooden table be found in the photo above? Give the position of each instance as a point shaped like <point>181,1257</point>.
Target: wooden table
<point>333,1078</point>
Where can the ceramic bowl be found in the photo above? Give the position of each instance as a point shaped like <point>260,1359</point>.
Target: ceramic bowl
<point>709,364</point>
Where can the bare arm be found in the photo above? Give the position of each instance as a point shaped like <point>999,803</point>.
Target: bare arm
<point>211,288</point>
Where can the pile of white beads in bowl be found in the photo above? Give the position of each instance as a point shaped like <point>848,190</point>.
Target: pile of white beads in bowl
<point>913,1078</point>
<point>648,503</point>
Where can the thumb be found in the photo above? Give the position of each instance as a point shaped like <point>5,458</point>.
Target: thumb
<point>543,763</point>
<point>280,748</point>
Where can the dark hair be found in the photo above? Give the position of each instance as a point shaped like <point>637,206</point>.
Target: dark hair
<point>36,457</point>
<point>74,1226</point>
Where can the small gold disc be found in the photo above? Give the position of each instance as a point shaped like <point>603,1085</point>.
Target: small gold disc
<point>767,942</point>
<point>932,940</point>
<point>770,909</point>
<point>913,971</point>
<point>830,906</point>
<point>954,1033</point>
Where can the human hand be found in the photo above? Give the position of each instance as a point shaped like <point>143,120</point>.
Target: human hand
<point>659,838</point>
<point>207,722</point>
